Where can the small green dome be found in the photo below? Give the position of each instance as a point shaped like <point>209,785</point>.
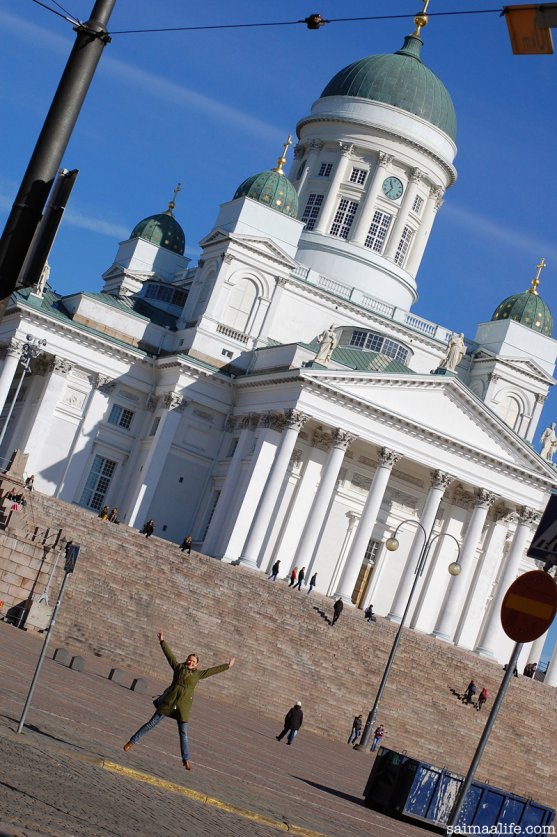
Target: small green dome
<point>162,230</point>
<point>271,188</point>
<point>527,308</point>
<point>401,80</point>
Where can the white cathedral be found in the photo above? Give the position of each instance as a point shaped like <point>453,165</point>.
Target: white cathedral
<point>280,400</point>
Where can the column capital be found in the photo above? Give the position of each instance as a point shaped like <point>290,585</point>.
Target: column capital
<point>416,175</point>
<point>502,514</point>
<point>315,144</point>
<point>384,160</point>
<point>103,383</point>
<point>61,366</point>
<point>484,499</point>
<point>12,348</point>
<point>388,458</point>
<point>528,517</point>
<point>346,148</point>
<point>439,479</point>
<point>540,397</point>
<point>342,439</point>
<point>295,419</point>
<point>272,420</point>
<point>173,401</point>
<point>299,151</point>
<point>437,193</point>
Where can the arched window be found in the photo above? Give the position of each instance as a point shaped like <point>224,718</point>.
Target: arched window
<point>509,410</point>
<point>240,304</point>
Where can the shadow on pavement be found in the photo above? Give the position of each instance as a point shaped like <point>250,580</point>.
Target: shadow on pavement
<point>322,614</point>
<point>333,791</point>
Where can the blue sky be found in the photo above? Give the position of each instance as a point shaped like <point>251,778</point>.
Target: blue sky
<point>211,108</point>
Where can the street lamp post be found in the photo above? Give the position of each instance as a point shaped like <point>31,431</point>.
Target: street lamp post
<point>454,569</point>
<point>33,348</point>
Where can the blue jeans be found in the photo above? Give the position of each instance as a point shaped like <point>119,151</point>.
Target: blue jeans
<point>291,736</point>
<point>354,735</point>
<point>376,741</point>
<point>152,723</point>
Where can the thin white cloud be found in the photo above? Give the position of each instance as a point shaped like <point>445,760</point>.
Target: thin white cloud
<point>156,85</point>
<point>495,232</point>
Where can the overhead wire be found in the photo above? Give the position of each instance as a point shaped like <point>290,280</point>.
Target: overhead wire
<point>55,12</point>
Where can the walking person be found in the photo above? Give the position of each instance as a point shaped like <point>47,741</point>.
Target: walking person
<point>176,701</point>
<point>275,570</point>
<point>301,576</point>
<point>185,546</point>
<point>369,614</point>
<point>377,737</point>
<point>482,697</point>
<point>293,720</point>
<point>338,607</point>
<point>312,582</point>
<point>469,693</point>
<point>293,575</point>
<point>356,730</point>
<point>148,528</point>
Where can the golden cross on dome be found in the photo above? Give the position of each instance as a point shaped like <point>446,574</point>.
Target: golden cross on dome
<point>421,20</point>
<point>282,159</point>
<point>172,203</point>
<point>536,279</point>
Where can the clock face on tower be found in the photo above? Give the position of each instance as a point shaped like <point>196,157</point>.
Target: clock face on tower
<point>392,188</point>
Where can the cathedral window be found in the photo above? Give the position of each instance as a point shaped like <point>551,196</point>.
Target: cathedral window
<point>343,218</point>
<point>358,176</point>
<point>325,169</point>
<point>311,212</point>
<point>98,482</point>
<point>371,341</point>
<point>403,245</point>
<point>166,294</point>
<point>120,417</point>
<point>417,205</point>
<point>378,231</point>
<point>509,410</point>
<point>372,550</point>
<point>301,170</point>
<point>240,304</point>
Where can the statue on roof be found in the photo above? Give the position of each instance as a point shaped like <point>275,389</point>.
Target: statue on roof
<point>455,352</point>
<point>328,341</point>
<point>548,440</point>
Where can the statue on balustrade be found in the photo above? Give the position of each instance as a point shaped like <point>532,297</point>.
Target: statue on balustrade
<point>455,352</point>
<point>548,440</point>
<point>328,341</point>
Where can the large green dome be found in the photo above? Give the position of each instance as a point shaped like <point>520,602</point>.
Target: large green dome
<point>162,230</point>
<point>527,308</point>
<point>401,80</point>
<point>272,188</point>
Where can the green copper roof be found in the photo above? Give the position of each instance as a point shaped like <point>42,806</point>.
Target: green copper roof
<point>271,188</point>
<point>162,230</point>
<point>527,308</point>
<point>401,80</point>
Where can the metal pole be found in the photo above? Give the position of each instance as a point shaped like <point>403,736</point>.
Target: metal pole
<point>455,813</point>
<point>51,144</point>
<point>42,655</point>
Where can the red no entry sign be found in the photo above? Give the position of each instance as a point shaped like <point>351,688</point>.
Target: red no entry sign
<point>529,606</point>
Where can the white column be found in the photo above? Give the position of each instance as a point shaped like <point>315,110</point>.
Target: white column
<point>240,515</point>
<point>161,443</point>
<point>248,424</point>
<point>535,417</point>
<point>458,586</point>
<point>434,202</point>
<point>13,354</point>
<point>402,214</point>
<point>352,566</point>
<point>40,439</point>
<point>294,422</point>
<point>551,676</point>
<point>84,438</point>
<point>306,547</point>
<point>536,648</point>
<point>329,204</point>
<point>439,483</point>
<point>493,630</point>
<point>315,147</point>
<point>363,220</point>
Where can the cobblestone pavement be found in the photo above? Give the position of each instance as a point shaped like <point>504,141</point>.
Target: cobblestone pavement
<point>68,775</point>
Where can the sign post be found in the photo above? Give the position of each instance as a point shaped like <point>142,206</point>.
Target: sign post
<point>72,551</point>
<point>527,611</point>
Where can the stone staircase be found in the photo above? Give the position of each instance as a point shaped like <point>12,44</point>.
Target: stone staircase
<point>126,587</point>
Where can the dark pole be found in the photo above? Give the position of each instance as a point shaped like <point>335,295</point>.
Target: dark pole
<point>364,741</point>
<point>51,144</point>
<point>465,787</point>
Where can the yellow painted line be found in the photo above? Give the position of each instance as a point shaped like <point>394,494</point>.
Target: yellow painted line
<point>531,607</point>
<point>204,799</point>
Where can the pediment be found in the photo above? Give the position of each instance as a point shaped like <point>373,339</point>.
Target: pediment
<point>525,365</point>
<point>263,247</point>
<point>442,409</point>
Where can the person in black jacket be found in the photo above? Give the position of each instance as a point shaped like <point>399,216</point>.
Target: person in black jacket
<point>293,720</point>
<point>338,607</point>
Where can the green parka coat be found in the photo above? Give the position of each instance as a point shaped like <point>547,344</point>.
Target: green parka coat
<point>176,701</point>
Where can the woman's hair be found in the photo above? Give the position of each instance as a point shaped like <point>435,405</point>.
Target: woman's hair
<point>193,654</point>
